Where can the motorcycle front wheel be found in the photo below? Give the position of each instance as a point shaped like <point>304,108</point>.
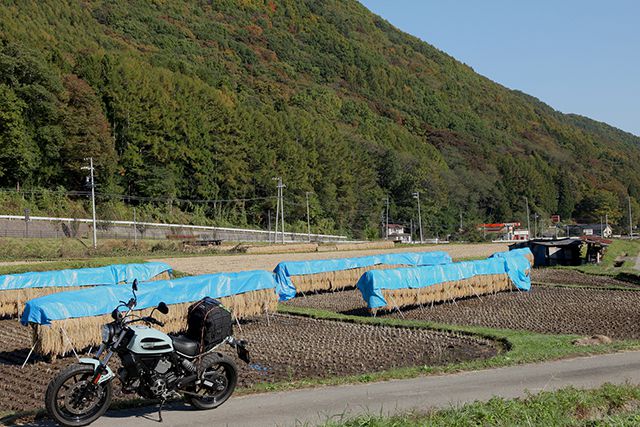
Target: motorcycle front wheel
<point>72,400</point>
<point>219,379</point>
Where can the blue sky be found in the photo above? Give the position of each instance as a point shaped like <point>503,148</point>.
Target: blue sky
<point>579,56</point>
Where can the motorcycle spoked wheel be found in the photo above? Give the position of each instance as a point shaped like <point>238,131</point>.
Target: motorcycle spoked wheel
<point>71,400</point>
<point>218,382</point>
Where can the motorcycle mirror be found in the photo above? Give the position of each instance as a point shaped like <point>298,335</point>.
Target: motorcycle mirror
<point>134,286</point>
<point>163,308</point>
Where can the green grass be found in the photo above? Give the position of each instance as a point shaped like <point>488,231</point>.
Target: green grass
<point>609,405</point>
<point>61,265</point>
<point>78,263</point>
<point>619,248</point>
<point>14,249</point>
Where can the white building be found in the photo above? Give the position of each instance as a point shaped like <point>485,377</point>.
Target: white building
<point>397,234</point>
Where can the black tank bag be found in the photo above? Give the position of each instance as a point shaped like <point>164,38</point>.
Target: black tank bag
<point>208,322</point>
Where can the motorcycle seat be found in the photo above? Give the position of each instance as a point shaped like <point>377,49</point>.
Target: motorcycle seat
<point>185,345</point>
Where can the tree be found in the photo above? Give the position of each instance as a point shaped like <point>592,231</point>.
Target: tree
<point>18,153</point>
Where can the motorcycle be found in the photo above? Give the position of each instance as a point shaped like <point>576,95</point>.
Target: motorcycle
<point>155,365</point>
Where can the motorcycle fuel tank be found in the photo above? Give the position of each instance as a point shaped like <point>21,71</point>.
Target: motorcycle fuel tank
<point>149,341</point>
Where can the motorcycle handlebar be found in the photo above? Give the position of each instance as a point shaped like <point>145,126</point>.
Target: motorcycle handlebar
<point>154,321</point>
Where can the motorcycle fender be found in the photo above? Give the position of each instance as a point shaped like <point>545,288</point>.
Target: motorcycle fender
<point>105,377</point>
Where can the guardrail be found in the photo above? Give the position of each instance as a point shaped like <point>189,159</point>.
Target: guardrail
<point>131,229</point>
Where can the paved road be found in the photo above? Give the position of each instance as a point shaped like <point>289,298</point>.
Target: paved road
<point>315,406</point>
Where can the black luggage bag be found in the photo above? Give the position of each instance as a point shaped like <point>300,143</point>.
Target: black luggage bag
<point>208,322</point>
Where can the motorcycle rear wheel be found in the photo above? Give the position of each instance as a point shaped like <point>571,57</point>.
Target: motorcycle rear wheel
<point>221,374</point>
<point>72,401</point>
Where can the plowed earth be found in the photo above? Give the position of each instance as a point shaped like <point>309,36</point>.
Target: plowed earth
<point>284,349</point>
<point>545,309</point>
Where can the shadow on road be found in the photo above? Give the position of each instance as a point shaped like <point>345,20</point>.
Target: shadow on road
<point>148,413</point>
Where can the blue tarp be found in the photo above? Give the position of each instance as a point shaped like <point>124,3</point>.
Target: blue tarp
<point>513,253</point>
<point>372,282</point>
<point>283,271</point>
<point>109,275</point>
<point>101,300</point>
<point>517,266</point>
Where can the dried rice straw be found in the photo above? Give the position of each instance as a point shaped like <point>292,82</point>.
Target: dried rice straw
<point>447,291</point>
<point>12,301</point>
<point>85,331</point>
<point>334,280</point>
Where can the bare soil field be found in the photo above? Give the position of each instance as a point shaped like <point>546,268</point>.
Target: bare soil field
<point>544,309</point>
<point>572,277</point>
<point>222,263</point>
<point>285,349</point>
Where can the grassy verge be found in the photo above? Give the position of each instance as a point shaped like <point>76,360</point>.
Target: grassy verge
<point>618,249</point>
<point>61,265</point>
<point>14,249</point>
<point>605,406</point>
<point>78,263</point>
<point>591,287</point>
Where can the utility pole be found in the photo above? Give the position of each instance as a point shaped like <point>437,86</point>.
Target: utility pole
<point>281,207</point>
<point>386,231</point>
<point>93,199</point>
<point>275,236</point>
<point>26,221</point>
<point>308,218</point>
<point>135,229</point>
<point>461,220</point>
<point>528,219</point>
<point>630,221</point>
<point>269,223</point>
<point>411,229</point>
<point>416,195</point>
<point>535,224</point>
<point>601,228</point>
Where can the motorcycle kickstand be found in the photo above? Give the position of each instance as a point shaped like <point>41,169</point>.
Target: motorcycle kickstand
<point>160,410</point>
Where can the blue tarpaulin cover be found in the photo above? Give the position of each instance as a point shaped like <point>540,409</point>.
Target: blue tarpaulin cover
<point>109,275</point>
<point>101,300</point>
<point>283,271</point>
<point>372,282</point>
<point>517,266</point>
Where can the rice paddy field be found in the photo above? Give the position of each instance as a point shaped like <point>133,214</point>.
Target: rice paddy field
<point>289,348</point>
<point>583,305</point>
<point>283,348</point>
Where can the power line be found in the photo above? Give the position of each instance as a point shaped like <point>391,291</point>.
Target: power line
<point>135,198</point>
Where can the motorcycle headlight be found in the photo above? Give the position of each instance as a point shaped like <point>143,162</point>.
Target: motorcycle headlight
<point>107,333</point>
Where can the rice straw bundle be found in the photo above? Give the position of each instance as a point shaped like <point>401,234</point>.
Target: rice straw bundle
<point>395,288</point>
<point>380,244</point>
<point>12,301</point>
<point>298,277</point>
<point>334,280</point>
<point>84,332</point>
<point>447,291</point>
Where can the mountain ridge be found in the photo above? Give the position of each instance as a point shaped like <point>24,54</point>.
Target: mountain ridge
<point>210,101</point>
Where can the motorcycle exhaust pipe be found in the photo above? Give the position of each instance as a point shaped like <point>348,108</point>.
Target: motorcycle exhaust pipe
<point>186,381</point>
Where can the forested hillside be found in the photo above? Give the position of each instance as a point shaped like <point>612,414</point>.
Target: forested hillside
<point>205,100</point>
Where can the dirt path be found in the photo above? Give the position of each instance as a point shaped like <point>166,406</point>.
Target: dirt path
<point>316,406</point>
<point>221,263</point>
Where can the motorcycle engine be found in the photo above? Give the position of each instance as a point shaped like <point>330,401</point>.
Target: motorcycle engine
<point>161,379</point>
